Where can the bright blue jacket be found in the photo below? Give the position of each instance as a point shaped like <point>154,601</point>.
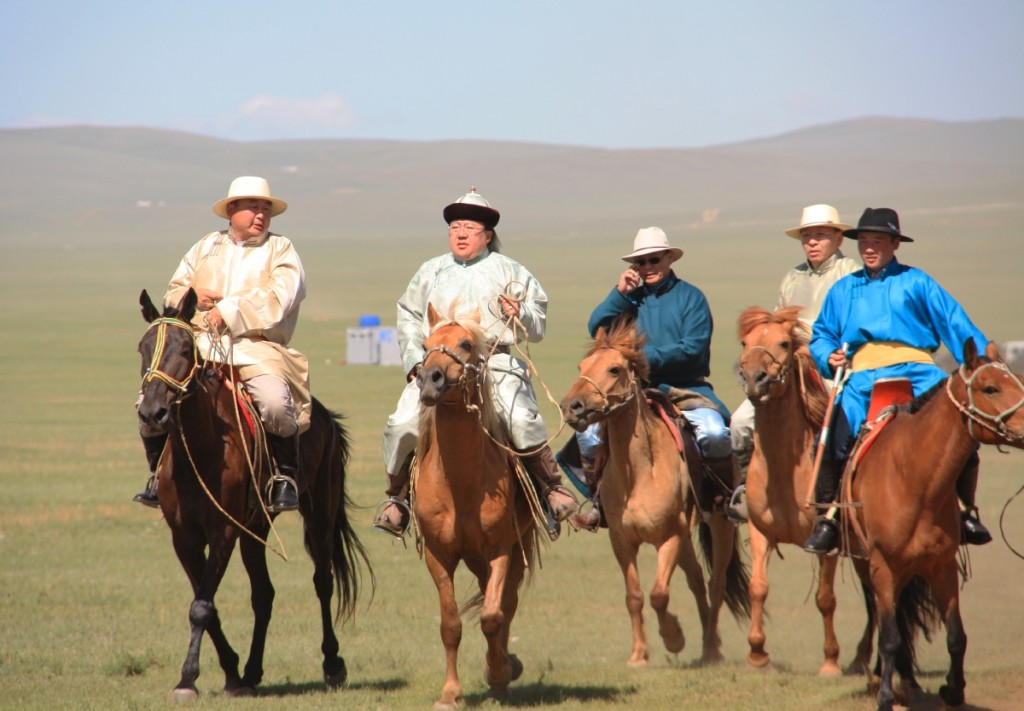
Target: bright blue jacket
<point>902,304</point>
<point>677,320</point>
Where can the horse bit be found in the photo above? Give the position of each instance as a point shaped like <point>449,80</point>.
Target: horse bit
<point>993,423</point>
<point>779,377</point>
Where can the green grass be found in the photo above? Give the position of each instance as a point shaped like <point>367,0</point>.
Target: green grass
<point>94,605</point>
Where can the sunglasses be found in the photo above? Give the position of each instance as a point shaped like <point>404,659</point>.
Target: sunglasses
<point>650,260</point>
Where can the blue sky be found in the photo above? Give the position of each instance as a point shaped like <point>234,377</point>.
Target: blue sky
<point>599,72</point>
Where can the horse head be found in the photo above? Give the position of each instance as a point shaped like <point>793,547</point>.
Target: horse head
<point>168,350</point>
<point>454,355</point>
<point>771,342</point>
<point>610,375</point>
<point>990,395</point>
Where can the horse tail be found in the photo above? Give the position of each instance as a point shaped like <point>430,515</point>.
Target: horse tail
<point>348,555</point>
<point>916,612</point>
<point>737,575</point>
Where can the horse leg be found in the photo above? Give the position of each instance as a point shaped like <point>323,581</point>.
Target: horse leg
<point>668,624</point>
<point>947,597</point>
<point>861,664</point>
<point>889,639</point>
<point>826,601</point>
<point>760,555</point>
<point>695,581</point>
<point>320,543</point>
<point>723,542</point>
<point>254,557</point>
<point>492,623</point>
<point>205,573</point>
<point>625,554</point>
<point>443,573</point>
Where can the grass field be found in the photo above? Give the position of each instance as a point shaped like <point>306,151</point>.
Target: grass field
<point>94,603</point>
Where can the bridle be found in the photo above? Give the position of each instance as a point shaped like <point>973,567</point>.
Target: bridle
<point>994,423</point>
<point>153,372</point>
<point>631,390</point>
<point>470,371</point>
<point>779,378</point>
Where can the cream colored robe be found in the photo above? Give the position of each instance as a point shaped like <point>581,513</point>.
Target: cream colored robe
<point>262,283</point>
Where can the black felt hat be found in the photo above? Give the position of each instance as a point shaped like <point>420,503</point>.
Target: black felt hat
<point>878,219</point>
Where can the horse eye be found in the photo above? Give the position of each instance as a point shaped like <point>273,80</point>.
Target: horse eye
<point>466,345</point>
<point>990,390</point>
<point>785,345</point>
<point>743,344</point>
<point>615,370</point>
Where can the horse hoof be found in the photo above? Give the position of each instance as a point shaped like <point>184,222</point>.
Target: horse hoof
<point>446,706</point>
<point>184,696</point>
<point>952,698</point>
<point>240,692</point>
<point>515,666</point>
<point>759,661</point>
<point>335,674</point>
<point>829,669</point>
<point>638,663</point>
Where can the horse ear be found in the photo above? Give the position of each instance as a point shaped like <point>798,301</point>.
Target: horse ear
<point>149,311</point>
<point>432,316</point>
<point>187,305</point>
<point>970,354</point>
<point>992,351</point>
<point>474,315</point>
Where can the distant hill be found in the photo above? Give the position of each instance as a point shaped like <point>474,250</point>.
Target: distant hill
<point>107,183</point>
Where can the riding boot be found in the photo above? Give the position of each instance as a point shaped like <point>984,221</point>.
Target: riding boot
<point>737,511</point>
<point>154,449</point>
<point>825,536</point>
<point>592,518</point>
<point>543,469</point>
<point>284,487</point>
<point>393,515</point>
<point>972,531</point>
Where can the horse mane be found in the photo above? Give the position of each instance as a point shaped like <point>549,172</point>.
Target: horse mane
<point>624,337</point>
<point>812,389</point>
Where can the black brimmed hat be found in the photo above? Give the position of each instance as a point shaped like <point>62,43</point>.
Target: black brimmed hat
<point>878,219</point>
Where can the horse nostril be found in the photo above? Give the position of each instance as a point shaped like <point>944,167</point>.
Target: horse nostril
<point>761,377</point>
<point>436,377</point>
<point>575,407</point>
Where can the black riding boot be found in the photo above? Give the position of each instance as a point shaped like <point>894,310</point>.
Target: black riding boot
<point>825,536</point>
<point>284,487</point>
<point>972,531</point>
<point>154,449</point>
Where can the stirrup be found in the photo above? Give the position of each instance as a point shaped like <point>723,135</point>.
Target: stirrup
<point>382,523</point>
<point>736,512</point>
<point>274,507</point>
<point>149,496</point>
<point>579,520</point>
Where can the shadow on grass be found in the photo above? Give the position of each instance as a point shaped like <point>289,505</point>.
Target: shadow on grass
<point>311,687</point>
<point>540,693</point>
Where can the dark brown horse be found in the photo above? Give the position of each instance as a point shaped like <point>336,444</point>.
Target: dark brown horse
<point>647,498</point>
<point>469,503</point>
<point>789,401</point>
<point>909,521</point>
<point>208,481</point>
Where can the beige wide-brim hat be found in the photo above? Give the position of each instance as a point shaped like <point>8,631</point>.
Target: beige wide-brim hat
<point>650,240</point>
<point>249,186</point>
<point>817,216</point>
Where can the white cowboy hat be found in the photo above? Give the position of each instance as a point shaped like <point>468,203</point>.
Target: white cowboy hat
<point>249,186</point>
<point>650,240</point>
<point>817,216</point>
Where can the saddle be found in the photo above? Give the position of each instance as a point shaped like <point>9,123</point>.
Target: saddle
<point>708,488</point>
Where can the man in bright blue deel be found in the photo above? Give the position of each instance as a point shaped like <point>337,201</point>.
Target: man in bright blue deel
<point>892,319</point>
<point>674,316</point>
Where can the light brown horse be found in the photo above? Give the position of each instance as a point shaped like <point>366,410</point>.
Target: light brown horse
<point>468,502</point>
<point>647,498</point>
<point>789,400</point>
<point>909,520</point>
<point>207,491</point>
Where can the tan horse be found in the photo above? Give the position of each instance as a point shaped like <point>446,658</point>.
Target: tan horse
<point>789,401</point>
<point>909,520</point>
<point>646,496</point>
<point>468,502</point>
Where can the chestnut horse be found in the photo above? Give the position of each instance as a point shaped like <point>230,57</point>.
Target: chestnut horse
<point>469,503</point>
<point>909,521</point>
<point>789,400</point>
<point>646,496</point>
<point>207,495</point>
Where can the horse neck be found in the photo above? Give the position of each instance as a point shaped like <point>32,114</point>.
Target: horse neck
<point>456,433</point>
<point>782,420</point>
<point>941,441</point>
<point>632,435</point>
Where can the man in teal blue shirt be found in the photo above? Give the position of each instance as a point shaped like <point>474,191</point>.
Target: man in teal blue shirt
<point>892,319</point>
<point>676,318</point>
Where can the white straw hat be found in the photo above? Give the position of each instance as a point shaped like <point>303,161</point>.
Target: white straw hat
<point>650,240</point>
<point>817,216</point>
<point>249,186</point>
